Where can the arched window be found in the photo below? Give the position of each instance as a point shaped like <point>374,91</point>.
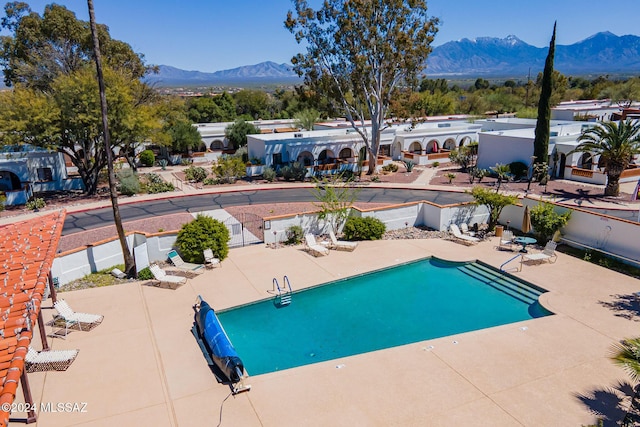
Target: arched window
<point>586,161</point>
<point>217,145</point>
<point>464,141</point>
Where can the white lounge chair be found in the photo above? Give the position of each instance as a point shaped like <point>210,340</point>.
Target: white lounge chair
<point>84,321</point>
<point>166,280</point>
<point>179,263</point>
<point>52,360</point>
<point>506,241</point>
<point>465,229</point>
<point>547,254</point>
<point>210,261</point>
<point>313,247</point>
<point>457,234</point>
<point>341,245</point>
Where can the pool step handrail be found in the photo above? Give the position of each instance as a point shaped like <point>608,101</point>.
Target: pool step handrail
<point>284,295</point>
<point>508,261</point>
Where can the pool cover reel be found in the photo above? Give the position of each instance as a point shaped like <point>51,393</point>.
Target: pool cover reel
<point>217,342</point>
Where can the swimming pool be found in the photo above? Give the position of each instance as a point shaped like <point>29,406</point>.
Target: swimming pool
<point>411,302</point>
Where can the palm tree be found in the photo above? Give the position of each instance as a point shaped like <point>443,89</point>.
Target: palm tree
<point>627,355</point>
<point>616,143</point>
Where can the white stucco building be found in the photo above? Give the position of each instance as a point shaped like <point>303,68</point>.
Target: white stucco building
<point>25,169</point>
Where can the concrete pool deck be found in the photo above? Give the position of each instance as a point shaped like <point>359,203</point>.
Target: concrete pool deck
<point>142,365</point>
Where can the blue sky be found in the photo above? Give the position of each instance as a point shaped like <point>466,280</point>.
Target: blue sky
<point>213,35</point>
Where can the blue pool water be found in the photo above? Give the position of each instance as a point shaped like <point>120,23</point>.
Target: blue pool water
<point>411,302</point>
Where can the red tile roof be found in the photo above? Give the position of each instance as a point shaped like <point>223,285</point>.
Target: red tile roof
<point>27,250</point>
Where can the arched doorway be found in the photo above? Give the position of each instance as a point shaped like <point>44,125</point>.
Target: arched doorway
<point>563,163</point>
<point>449,144</point>
<point>396,150</point>
<point>415,148</point>
<point>464,141</point>
<point>9,181</point>
<point>432,146</point>
<point>305,158</point>
<point>216,145</point>
<point>326,156</point>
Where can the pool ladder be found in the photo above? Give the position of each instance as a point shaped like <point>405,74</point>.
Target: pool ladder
<point>284,293</point>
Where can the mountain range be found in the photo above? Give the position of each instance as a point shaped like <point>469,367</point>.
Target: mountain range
<point>602,53</point>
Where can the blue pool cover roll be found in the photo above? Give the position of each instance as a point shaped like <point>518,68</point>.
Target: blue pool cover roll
<point>220,348</point>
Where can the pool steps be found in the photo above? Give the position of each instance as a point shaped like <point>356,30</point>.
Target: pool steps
<point>501,282</point>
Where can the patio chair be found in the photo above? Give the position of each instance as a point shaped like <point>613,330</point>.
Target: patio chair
<point>506,241</point>
<point>84,321</point>
<point>462,238</point>
<point>52,360</point>
<point>341,245</point>
<point>210,261</point>
<point>313,247</point>
<point>547,254</point>
<point>166,280</point>
<point>180,264</point>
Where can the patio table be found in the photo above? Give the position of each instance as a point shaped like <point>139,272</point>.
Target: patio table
<point>524,241</point>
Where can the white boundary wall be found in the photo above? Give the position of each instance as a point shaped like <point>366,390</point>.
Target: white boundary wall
<point>588,229</point>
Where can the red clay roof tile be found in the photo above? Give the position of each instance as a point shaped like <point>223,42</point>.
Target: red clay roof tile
<point>27,250</point>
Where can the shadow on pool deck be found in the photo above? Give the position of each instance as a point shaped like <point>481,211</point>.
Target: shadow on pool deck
<point>141,366</point>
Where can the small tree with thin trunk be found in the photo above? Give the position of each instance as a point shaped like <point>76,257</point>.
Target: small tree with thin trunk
<point>334,199</point>
<point>494,202</point>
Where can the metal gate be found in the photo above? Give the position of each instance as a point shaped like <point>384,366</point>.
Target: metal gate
<point>244,229</point>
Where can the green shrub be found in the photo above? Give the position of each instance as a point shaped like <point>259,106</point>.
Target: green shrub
<point>435,164</point>
<point>408,164</point>
<point>161,187</point>
<point>129,182</point>
<point>367,228</point>
<point>211,181</point>
<point>37,203</point>
<point>147,158</point>
<point>295,172</point>
<point>518,169</point>
<point>546,221</point>
<point>163,163</point>
<point>155,184</point>
<point>391,167</point>
<point>195,173</point>
<point>294,235</point>
<point>269,174</point>
<point>145,274</point>
<point>229,168</point>
<point>202,233</point>
<point>3,198</point>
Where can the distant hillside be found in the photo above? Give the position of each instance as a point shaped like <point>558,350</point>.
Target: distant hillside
<point>602,53</point>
